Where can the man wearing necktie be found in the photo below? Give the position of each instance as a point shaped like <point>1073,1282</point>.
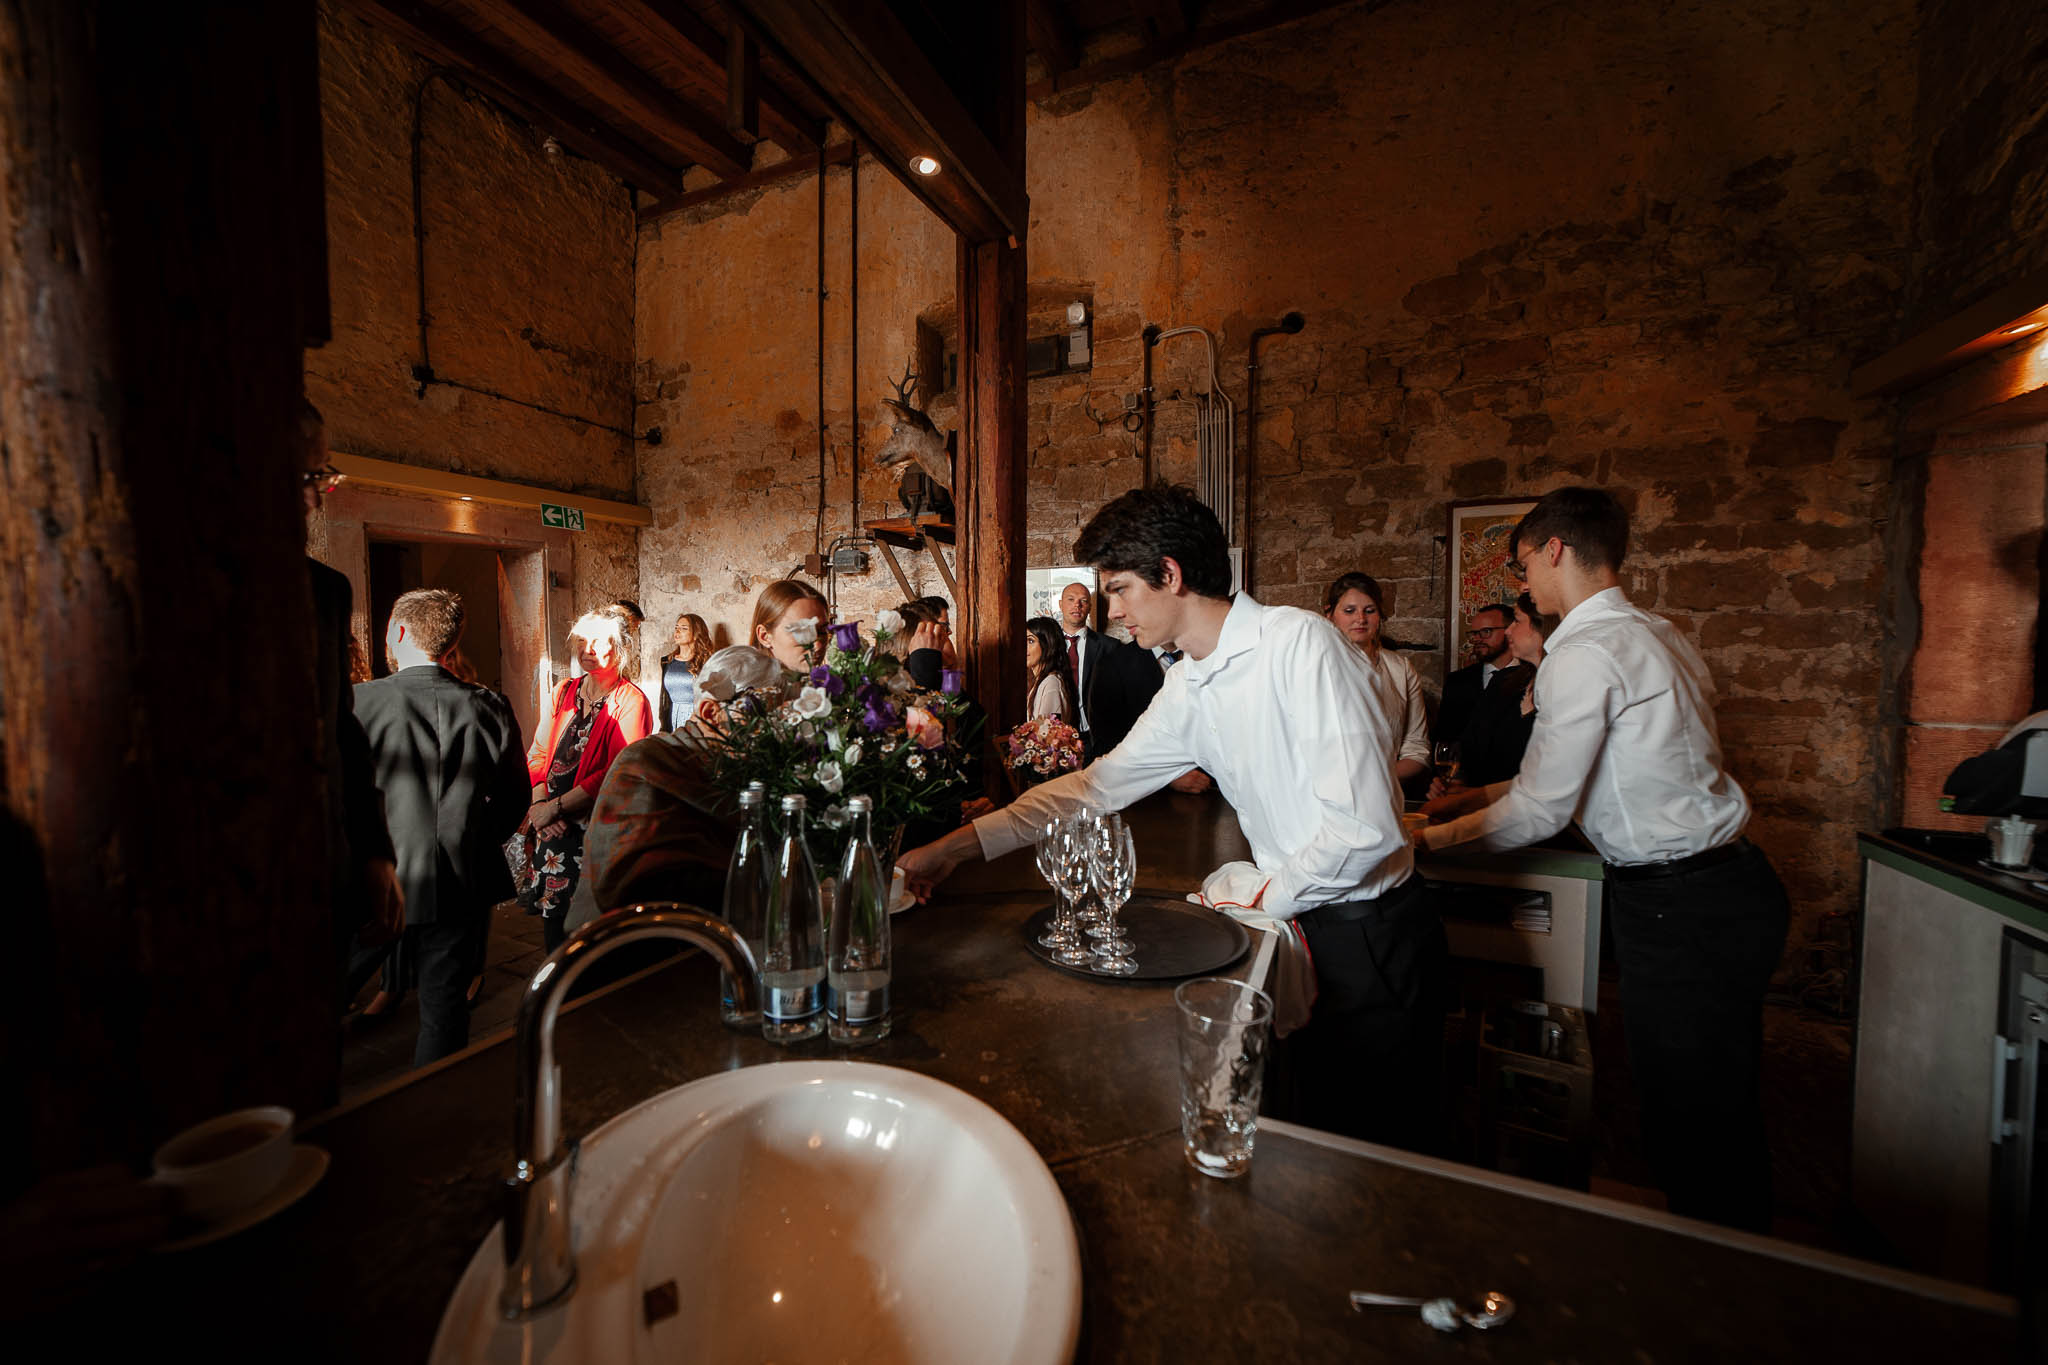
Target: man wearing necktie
<point>1114,680</point>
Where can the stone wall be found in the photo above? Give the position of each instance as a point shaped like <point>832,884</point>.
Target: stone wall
<point>1981,137</point>
<point>1530,251</point>
<point>529,276</point>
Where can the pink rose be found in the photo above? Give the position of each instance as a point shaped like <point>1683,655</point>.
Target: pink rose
<point>924,728</point>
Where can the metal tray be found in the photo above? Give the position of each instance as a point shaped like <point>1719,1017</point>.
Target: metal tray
<point>1173,938</point>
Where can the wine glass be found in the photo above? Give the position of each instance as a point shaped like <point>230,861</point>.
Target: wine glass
<point>1087,917</point>
<point>1113,871</point>
<point>1071,863</point>
<point>1447,761</point>
<point>1060,933</point>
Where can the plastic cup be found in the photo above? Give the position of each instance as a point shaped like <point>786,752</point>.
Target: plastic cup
<point>1224,1027</point>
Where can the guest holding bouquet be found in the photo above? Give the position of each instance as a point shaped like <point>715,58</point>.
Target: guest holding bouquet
<point>1050,685</point>
<point>593,718</point>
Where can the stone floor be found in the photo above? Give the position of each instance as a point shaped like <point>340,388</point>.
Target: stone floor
<point>1806,1088</point>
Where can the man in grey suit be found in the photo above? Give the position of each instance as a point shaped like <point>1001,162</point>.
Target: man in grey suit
<point>453,769</point>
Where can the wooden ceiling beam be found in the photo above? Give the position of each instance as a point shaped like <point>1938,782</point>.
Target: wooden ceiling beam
<point>742,87</point>
<point>1272,16</point>
<point>1160,19</point>
<point>838,154</point>
<point>436,36</point>
<point>1052,37</point>
<point>552,35</point>
<point>864,62</point>
<point>698,46</point>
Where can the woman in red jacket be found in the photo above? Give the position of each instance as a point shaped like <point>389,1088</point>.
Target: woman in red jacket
<point>593,719</point>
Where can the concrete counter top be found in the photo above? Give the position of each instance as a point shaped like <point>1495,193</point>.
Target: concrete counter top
<point>1180,1267</point>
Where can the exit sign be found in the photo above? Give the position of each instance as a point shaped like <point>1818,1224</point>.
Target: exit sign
<point>561,518</point>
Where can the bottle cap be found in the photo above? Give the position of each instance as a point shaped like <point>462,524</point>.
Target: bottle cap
<point>859,805</point>
<point>754,795</point>
<point>757,786</point>
<point>793,801</point>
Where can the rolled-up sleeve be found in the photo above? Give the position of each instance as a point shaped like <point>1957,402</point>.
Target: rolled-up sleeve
<point>1576,695</point>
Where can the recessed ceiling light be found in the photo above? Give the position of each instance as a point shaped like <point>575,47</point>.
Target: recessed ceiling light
<point>467,498</point>
<point>924,165</point>
<point>2023,328</point>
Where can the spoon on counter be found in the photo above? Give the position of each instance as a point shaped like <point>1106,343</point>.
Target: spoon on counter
<point>1490,1310</point>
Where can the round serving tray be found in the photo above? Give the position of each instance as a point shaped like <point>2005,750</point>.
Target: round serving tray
<point>1173,939</point>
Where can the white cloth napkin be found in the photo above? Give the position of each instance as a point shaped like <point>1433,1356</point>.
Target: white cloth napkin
<point>1234,889</point>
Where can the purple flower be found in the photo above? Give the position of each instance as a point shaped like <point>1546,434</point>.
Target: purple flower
<point>825,678</point>
<point>951,681</point>
<point>846,637</point>
<point>878,716</point>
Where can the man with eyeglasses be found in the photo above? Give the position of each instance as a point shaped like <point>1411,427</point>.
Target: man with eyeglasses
<point>1625,743</point>
<point>1486,641</point>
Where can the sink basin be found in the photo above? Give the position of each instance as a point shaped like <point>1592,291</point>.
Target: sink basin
<point>802,1211</point>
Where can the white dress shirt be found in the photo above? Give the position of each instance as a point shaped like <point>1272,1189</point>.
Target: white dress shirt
<point>1624,742</point>
<point>1400,696</point>
<point>1284,716</point>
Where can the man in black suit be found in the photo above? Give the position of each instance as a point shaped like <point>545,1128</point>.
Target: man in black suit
<point>1486,640</point>
<point>1114,679</point>
<point>453,769</point>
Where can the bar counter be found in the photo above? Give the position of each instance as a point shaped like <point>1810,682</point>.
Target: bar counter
<point>1179,1267</point>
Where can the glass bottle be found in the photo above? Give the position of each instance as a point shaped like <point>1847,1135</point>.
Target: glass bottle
<point>793,951</point>
<point>857,964</point>
<point>748,881</point>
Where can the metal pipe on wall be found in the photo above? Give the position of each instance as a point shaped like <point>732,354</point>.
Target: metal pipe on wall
<point>1289,324</point>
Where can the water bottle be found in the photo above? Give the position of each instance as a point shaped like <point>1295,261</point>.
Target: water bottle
<point>748,880</point>
<point>857,963</point>
<point>793,951</point>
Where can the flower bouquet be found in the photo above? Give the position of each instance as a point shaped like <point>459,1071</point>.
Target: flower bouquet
<point>1039,750</point>
<point>856,724</point>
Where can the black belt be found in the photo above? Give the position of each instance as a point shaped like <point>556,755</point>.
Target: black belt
<point>1698,862</point>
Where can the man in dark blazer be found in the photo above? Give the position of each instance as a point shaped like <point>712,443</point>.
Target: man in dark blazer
<point>1486,640</point>
<point>452,765</point>
<point>1115,678</point>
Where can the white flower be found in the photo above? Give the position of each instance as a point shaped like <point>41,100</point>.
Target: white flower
<point>717,686</point>
<point>806,730</point>
<point>835,740</point>
<point>834,817</point>
<point>915,762</point>
<point>804,630</point>
<point>829,777</point>
<point>810,702</point>
<point>888,623</point>
<point>853,753</point>
<point>900,681</point>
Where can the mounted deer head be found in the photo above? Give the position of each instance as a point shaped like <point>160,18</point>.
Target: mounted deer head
<point>914,438</point>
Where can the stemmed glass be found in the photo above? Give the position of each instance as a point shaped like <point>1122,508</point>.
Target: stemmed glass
<point>1062,933</point>
<point>1071,868</point>
<point>1112,869</point>
<point>1447,755</point>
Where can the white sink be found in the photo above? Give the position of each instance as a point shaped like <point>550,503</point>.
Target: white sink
<point>804,1211</point>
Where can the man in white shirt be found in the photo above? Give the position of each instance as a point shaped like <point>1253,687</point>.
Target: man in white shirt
<point>1625,743</point>
<point>1275,704</point>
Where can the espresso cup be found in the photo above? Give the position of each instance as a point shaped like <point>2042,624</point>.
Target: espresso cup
<point>2012,840</point>
<point>220,1167</point>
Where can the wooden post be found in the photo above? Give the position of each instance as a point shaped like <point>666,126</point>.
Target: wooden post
<point>992,465</point>
<point>159,248</point>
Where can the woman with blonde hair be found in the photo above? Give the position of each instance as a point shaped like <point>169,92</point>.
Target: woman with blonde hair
<point>593,718</point>
<point>688,650</point>
<point>789,620</point>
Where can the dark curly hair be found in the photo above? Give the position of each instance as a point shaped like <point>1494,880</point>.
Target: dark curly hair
<point>1138,532</point>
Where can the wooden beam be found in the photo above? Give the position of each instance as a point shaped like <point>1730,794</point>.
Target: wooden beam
<point>1956,340</point>
<point>1052,37</point>
<point>838,154</point>
<point>697,47</point>
<point>1160,19</point>
<point>861,58</point>
<point>742,87</point>
<point>990,477</point>
<point>549,33</point>
<point>1095,73</point>
<point>434,35</point>
<point>440,483</point>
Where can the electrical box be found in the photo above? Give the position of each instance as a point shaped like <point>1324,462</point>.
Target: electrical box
<point>847,559</point>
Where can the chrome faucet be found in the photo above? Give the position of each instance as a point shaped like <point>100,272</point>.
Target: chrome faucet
<point>540,1267</point>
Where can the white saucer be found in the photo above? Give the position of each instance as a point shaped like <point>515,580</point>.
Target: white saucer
<point>309,1163</point>
<point>2024,871</point>
<point>900,898</point>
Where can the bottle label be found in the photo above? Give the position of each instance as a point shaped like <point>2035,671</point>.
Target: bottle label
<point>789,1004</point>
<point>861,1007</point>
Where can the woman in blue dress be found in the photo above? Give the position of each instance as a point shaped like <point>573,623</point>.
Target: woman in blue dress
<point>688,650</point>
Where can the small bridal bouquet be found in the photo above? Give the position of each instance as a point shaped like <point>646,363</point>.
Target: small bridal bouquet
<point>1039,750</point>
<point>856,724</point>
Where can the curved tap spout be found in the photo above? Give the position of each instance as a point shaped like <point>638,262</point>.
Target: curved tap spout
<point>540,1267</point>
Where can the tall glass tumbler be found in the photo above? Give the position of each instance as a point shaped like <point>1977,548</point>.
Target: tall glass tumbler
<point>1224,1027</point>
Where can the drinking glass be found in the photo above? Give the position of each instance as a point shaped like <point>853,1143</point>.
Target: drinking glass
<point>1071,847</point>
<point>1447,760</point>
<point>1223,1030</point>
<point>1114,868</point>
<point>1060,934</point>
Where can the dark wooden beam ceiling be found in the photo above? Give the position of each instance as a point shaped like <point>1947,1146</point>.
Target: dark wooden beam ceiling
<point>435,35</point>
<point>1207,35</point>
<point>1052,37</point>
<point>551,34</point>
<point>1160,20</point>
<point>862,59</point>
<point>697,47</point>
<point>838,154</point>
<point>742,87</point>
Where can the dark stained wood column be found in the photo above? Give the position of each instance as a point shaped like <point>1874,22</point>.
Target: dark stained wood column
<point>162,264</point>
<point>991,476</point>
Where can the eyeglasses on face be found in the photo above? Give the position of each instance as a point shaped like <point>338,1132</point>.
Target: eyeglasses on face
<point>326,478</point>
<point>1477,631</point>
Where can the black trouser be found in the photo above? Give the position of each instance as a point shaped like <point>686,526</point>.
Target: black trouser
<point>1697,947</point>
<point>444,958</point>
<point>1369,1062</point>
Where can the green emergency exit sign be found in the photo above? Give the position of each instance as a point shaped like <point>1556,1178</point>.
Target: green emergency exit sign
<point>561,518</point>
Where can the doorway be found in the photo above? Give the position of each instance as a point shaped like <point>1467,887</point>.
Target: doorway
<point>475,572</point>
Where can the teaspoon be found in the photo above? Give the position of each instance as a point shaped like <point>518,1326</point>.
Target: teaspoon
<point>1445,1314</point>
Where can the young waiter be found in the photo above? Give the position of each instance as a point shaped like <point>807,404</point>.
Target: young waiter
<point>1625,743</point>
<point>1277,706</point>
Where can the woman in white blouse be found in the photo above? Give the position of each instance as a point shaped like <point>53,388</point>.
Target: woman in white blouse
<point>1049,681</point>
<point>1353,606</point>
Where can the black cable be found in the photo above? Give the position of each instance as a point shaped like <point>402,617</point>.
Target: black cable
<point>818,532</point>
<point>853,328</point>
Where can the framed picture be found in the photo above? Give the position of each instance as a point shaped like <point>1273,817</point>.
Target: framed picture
<point>1042,589</point>
<point>1479,574</point>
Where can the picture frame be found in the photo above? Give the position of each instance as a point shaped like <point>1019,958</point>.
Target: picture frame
<point>1479,534</point>
<point>1042,589</point>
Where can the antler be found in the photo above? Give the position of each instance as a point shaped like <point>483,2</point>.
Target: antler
<point>903,389</point>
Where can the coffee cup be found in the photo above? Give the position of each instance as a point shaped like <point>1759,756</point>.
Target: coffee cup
<point>220,1167</point>
<point>2012,840</point>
